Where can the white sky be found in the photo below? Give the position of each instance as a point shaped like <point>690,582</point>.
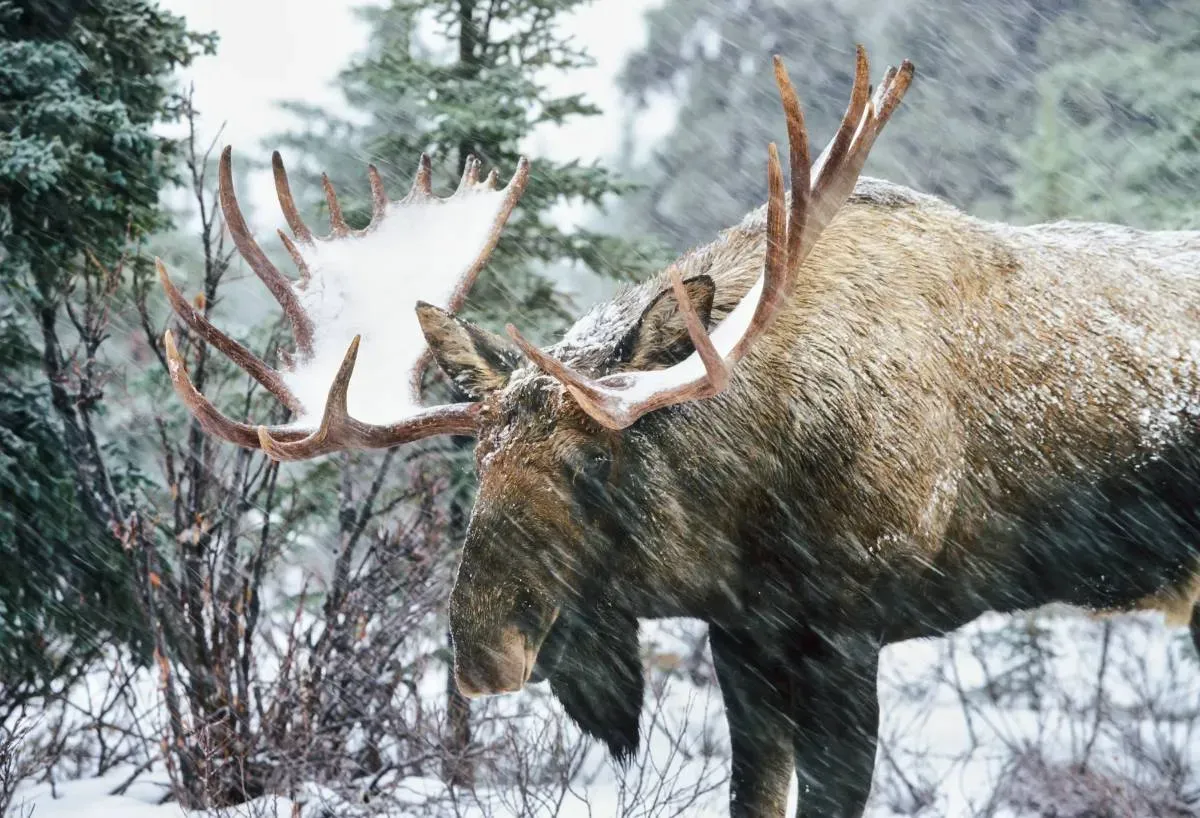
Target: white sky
<point>272,50</point>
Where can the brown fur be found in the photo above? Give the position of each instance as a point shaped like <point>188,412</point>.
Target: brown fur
<point>970,366</point>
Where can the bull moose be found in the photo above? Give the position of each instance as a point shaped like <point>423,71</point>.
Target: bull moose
<point>858,417</point>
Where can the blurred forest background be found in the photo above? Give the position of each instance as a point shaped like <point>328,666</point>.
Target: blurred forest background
<point>171,606</point>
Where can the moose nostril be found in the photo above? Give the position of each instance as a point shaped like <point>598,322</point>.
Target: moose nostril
<point>502,668</point>
<point>467,687</point>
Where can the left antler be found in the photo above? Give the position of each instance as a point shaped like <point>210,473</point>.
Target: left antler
<point>336,290</point>
<point>818,192</point>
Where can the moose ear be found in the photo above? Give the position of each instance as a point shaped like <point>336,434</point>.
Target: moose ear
<point>660,337</point>
<point>477,361</point>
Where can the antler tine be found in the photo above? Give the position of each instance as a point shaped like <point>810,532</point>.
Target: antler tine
<point>777,267</point>
<point>422,186</point>
<point>470,175</point>
<point>714,365</point>
<point>618,400</point>
<point>512,195</point>
<point>326,436</point>
<point>240,355</point>
<point>340,431</point>
<point>379,199</point>
<point>834,155</point>
<point>211,419</point>
<point>593,398</point>
<point>283,190</point>
<point>836,180</point>
<point>800,165</point>
<point>860,94</point>
<point>889,75</point>
<point>784,235</point>
<point>297,258</point>
<point>896,87</point>
<point>267,272</point>
<point>336,221</point>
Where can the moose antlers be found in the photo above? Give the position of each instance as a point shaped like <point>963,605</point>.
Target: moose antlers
<point>322,308</point>
<point>451,239</point>
<point>616,401</point>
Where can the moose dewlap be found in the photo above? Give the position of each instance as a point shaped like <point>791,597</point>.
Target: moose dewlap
<point>859,416</point>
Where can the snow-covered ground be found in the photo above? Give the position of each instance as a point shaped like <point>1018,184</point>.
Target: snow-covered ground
<point>1054,715</point>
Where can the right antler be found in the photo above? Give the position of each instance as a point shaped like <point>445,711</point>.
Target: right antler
<point>326,309</point>
<point>618,400</point>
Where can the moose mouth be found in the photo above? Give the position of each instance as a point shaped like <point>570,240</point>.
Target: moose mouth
<point>551,652</point>
<point>502,668</point>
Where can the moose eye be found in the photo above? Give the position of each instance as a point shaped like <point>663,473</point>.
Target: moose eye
<point>591,465</point>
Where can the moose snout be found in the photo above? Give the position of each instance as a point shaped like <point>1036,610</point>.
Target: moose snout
<point>501,667</point>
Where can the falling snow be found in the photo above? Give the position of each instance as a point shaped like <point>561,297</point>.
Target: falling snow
<point>1048,150</point>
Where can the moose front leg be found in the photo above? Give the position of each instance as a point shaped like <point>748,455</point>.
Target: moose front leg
<point>836,719</point>
<point>760,730</point>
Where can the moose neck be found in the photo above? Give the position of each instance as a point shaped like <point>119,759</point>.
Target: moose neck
<point>707,481</point>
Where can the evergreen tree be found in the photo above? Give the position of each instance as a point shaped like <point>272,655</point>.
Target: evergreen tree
<point>954,136</point>
<point>63,587</point>
<point>1117,139</point>
<point>713,62</point>
<point>474,83</point>
<point>81,86</point>
<point>80,167</point>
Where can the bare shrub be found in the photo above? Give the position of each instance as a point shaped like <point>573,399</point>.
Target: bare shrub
<point>252,702</point>
<point>1035,786</point>
<point>1092,719</point>
<point>11,740</point>
<point>684,762</point>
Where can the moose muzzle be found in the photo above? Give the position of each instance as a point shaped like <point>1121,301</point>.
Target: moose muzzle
<point>501,667</point>
<point>501,606</point>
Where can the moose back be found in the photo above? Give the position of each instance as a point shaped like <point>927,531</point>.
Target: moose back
<point>859,416</point>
